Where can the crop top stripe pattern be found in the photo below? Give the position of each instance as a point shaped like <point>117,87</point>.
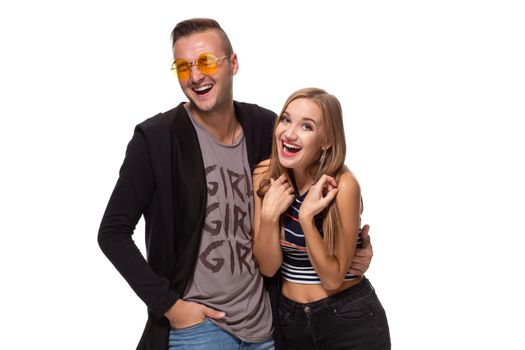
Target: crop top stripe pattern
<point>296,266</point>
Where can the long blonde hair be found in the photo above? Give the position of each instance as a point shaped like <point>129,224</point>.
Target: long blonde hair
<point>333,162</point>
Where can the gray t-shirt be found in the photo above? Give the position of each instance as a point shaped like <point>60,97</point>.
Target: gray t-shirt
<point>226,276</point>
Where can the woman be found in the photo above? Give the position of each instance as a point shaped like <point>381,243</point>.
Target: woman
<point>306,222</point>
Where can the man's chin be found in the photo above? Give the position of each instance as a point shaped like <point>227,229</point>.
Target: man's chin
<point>198,106</point>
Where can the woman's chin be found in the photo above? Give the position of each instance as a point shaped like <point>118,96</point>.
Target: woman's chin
<point>288,163</point>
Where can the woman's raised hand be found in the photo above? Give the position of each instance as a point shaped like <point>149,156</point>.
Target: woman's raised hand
<point>277,199</point>
<point>319,197</point>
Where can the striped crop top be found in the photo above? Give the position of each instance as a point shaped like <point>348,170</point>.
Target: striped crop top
<point>296,266</point>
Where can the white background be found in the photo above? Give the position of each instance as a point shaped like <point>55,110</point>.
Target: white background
<point>432,92</point>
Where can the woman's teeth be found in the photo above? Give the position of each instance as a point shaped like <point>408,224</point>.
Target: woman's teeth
<point>291,148</point>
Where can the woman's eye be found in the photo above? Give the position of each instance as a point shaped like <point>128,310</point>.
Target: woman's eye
<point>286,120</point>
<point>307,127</point>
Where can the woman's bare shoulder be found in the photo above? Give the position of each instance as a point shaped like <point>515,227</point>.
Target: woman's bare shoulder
<point>347,181</point>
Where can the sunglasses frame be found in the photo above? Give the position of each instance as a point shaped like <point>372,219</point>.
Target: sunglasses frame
<point>202,63</point>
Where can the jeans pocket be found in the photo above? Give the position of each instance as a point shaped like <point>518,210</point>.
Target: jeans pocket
<point>190,328</point>
<point>355,310</point>
<point>190,337</point>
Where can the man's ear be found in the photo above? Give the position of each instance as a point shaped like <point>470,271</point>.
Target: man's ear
<point>234,63</point>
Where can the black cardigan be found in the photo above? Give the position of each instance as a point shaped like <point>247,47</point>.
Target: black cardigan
<point>162,177</point>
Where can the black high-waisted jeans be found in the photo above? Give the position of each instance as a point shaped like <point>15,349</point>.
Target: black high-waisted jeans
<point>351,319</point>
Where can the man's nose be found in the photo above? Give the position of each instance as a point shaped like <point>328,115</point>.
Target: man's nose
<point>195,72</point>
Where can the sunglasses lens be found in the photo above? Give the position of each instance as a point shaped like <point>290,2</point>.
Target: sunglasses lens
<point>207,63</point>
<point>183,68</point>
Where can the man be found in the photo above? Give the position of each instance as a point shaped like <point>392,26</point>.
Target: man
<point>188,172</point>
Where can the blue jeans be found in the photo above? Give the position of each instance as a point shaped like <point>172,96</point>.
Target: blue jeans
<point>207,336</point>
<point>351,319</point>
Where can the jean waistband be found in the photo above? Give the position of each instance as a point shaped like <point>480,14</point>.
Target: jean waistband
<point>362,288</point>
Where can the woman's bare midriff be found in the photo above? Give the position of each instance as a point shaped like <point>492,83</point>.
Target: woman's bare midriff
<point>308,293</point>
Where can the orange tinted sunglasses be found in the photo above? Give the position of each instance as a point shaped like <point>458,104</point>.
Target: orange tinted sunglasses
<point>206,64</point>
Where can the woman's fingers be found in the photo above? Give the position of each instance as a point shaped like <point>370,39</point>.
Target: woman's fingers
<point>324,185</point>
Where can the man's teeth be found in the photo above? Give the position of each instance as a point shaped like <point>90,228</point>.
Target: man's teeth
<point>202,88</point>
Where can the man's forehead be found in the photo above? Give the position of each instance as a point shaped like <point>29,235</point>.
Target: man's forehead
<point>193,45</point>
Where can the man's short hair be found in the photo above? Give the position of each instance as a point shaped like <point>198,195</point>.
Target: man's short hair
<point>199,25</point>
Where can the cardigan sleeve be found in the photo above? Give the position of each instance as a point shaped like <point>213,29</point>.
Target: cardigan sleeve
<point>129,200</point>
